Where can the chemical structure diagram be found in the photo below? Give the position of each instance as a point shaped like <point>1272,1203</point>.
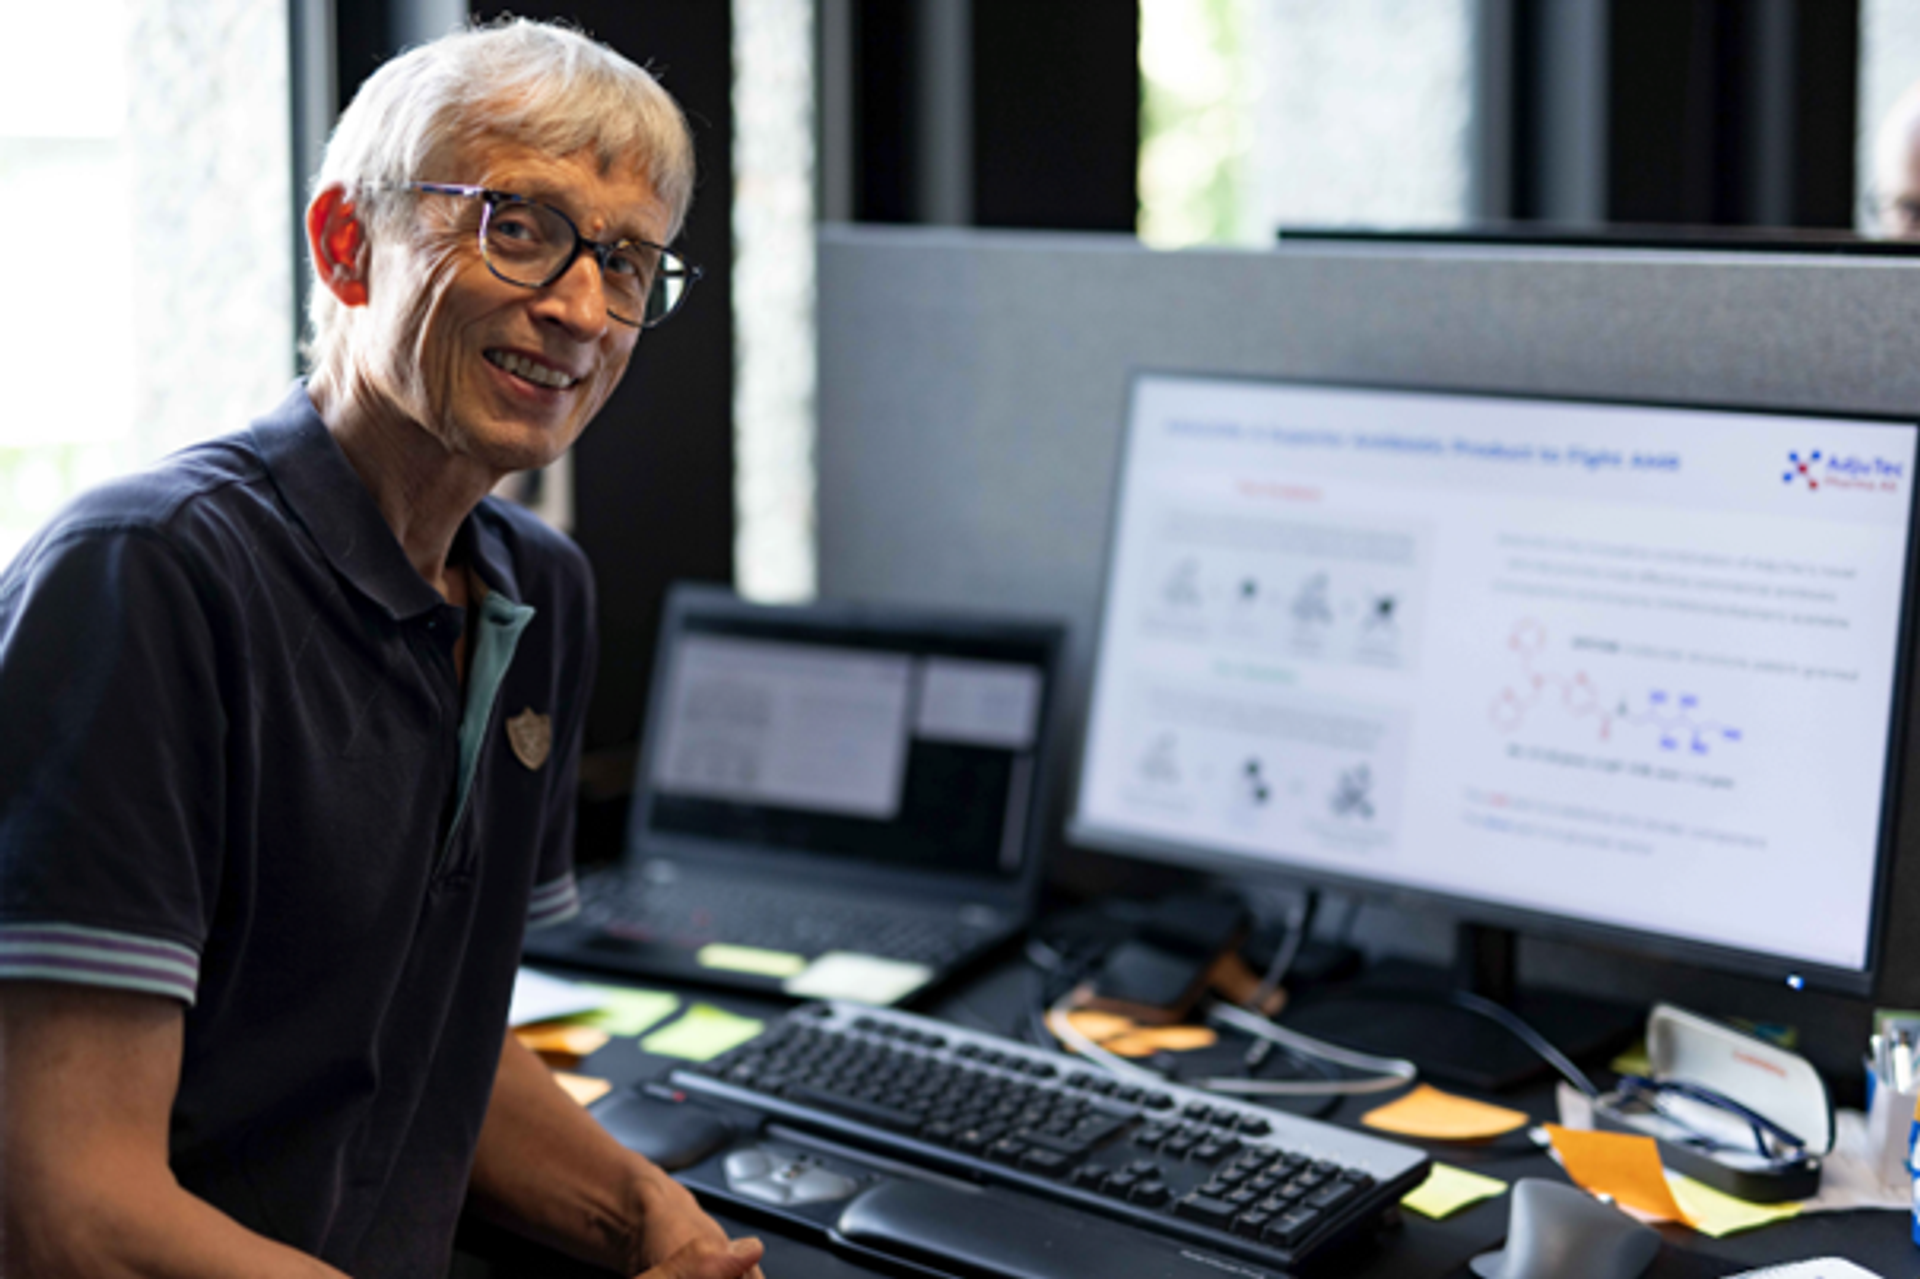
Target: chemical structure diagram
<point>1353,794</point>
<point>1257,791</point>
<point>1312,605</point>
<point>1675,718</point>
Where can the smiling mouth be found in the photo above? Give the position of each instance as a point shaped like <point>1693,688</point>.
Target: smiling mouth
<point>536,373</point>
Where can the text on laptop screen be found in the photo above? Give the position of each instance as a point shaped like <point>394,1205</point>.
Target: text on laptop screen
<point>885,749</point>
<point>1626,666</point>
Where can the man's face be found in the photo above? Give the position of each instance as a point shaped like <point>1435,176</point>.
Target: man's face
<point>503,375</point>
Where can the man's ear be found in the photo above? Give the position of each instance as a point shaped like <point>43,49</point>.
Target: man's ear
<point>338,243</point>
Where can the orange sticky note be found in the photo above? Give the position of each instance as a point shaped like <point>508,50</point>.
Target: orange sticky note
<point>1121,1037</point>
<point>1622,1166</point>
<point>551,1040</point>
<point>1428,1112</point>
<point>1145,1041</point>
<point>582,1088</point>
<point>1098,1026</point>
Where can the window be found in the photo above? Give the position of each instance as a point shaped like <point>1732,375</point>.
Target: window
<point>773,297</point>
<point>1257,114</point>
<point>144,191</point>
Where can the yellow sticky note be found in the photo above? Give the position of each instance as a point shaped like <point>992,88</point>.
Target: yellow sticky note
<point>626,1011</point>
<point>584,1089</point>
<point>866,979</point>
<point>1713,1212</point>
<point>749,959</point>
<point>1428,1112</point>
<point>702,1033</point>
<point>1448,1189</point>
<point>1622,1166</point>
<point>1634,1061</point>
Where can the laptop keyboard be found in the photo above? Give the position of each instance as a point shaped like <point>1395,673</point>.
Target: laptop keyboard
<point>1255,1183</point>
<point>705,913</point>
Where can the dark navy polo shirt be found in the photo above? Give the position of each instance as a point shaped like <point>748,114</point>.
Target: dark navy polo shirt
<point>238,770</point>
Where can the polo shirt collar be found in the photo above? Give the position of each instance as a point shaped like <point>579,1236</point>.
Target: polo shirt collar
<point>327,496</point>
<point>486,551</point>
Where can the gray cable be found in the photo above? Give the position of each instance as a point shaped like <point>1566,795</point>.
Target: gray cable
<point>1386,1073</point>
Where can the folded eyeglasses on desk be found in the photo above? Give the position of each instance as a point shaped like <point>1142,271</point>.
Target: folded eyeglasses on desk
<point>894,1136</point>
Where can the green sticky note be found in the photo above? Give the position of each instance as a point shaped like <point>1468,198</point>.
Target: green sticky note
<point>702,1033</point>
<point>1448,1189</point>
<point>625,1011</point>
<point>750,959</point>
<point>1633,1061</point>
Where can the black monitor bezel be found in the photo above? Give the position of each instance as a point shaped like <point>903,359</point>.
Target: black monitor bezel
<point>1533,922</point>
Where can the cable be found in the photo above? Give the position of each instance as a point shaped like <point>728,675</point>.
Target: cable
<point>1506,1018</point>
<point>1385,1073</point>
<point>1299,924</point>
<point>1046,963</point>
<point>1112,1063</point>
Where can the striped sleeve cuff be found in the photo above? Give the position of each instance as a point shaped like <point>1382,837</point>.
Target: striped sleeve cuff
<point>554,902</point>
<point>98,957</point>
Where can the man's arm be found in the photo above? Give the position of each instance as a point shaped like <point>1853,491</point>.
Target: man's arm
<point>547,1169</point>
<point>87,1083</point>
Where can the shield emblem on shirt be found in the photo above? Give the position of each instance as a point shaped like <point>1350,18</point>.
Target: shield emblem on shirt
<point>531,736</point>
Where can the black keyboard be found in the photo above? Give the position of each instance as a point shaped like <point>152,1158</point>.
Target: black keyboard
<point>700,913</point>
<point>1190,1167</point>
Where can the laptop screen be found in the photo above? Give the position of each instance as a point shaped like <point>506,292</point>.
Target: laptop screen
<point>887,740</point>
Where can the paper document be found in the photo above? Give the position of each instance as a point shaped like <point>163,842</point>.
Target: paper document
<point>1818,1268</point>
<point>539,997</point>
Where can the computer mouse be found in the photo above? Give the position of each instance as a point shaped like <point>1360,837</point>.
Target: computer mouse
<point>1556,1231</point>
<point>674,1134</point>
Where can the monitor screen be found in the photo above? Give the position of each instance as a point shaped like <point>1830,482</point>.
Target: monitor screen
<point>1610,668</point>
<point>809,731</point>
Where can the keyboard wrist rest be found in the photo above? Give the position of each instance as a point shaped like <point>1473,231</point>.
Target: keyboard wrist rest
<point>984,1233</point>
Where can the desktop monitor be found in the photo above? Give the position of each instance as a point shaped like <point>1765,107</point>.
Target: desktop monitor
<point>1614,671</point>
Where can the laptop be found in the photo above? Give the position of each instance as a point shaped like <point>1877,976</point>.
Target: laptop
<point>832,800</point>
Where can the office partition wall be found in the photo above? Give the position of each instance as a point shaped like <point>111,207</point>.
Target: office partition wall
<point>973,386</point>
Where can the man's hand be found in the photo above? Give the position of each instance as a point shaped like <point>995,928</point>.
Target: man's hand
<point>546,1169</point>
<point>702,1260</point>
<point>677,1228</point>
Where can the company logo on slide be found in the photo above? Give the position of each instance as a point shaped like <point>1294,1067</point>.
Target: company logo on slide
<point>1801,468</point>
<point>1843,471</point>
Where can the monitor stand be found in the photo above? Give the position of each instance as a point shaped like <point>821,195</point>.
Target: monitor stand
<point>1401,1009</point>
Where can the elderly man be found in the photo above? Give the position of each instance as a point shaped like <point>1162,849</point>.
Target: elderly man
<point>293,724</point>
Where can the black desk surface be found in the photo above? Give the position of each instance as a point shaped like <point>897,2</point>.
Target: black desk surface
<point>997,1001</point>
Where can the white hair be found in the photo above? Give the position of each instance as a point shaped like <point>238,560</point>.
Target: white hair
<point>541,85</point>
<point>1894,139</point>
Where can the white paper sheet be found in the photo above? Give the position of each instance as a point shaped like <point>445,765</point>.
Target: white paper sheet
<point>538,997</point>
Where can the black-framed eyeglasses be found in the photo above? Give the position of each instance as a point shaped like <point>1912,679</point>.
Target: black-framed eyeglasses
<point>530,243</point>
<point>1714,1121</point>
